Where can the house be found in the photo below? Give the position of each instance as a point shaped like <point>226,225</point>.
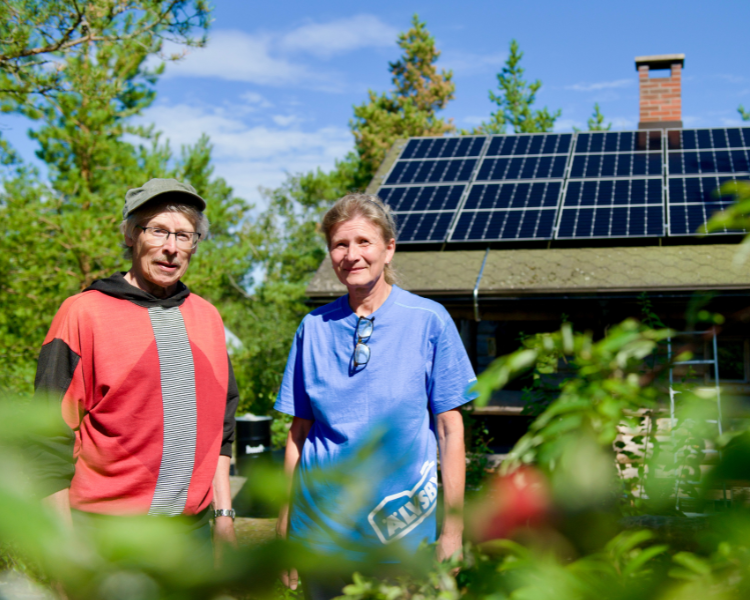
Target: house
<point>514,234</point>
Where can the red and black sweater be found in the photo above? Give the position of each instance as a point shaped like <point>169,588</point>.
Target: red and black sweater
<point>148,396</point>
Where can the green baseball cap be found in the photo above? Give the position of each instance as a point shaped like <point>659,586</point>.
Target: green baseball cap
<point>153,188</point>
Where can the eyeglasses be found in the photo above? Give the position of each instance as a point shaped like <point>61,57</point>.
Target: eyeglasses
<point>362,350</point>
<point>156,236</point>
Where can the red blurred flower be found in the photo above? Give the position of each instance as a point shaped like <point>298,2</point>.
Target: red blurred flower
<point>519,499</point>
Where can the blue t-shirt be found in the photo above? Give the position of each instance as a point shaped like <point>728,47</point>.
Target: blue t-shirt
<point>367,475</point>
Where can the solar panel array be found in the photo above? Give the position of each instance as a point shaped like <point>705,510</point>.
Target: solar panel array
<point>699,161</point>
<point>563,185</point>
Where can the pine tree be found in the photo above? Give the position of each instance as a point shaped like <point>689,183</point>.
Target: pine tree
<point>515,101</point>
<point>410,109</point>
<point>36,35</point>
<point>61,234</point>
<point>596,121</point>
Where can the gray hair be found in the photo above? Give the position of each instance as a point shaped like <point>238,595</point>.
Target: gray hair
<point>148,211</point>
<point>368,207</point>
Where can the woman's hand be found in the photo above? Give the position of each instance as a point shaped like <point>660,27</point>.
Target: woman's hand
<point>447,545</point>
<point>224,536</point>
<point>450,430</point>
<point>290,578</point>
<point>294,442</point>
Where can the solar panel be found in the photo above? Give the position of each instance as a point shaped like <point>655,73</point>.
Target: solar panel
<point>607,184</point>
<point>703,139</point>
<point>514,195</point>
<point>489,225</point>
<point>422,198</point>
<point>442,147</point>
<point>423,227</point>
<point>692,201</point>
<point>614,192</point>
<point>614,186</point>
<point>612,208</point>
<point>431,171</point>
<point>617,221</point>
<point>699,162</point>
<point>625,164</point>
<point>535,143</point>
<point>618,141</point>
<point>508,211</point>
<point>527,167</point>
<point>712,157</point>
<point>423,213</point>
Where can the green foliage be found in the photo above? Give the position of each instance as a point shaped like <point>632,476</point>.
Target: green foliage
<point>287,249</point>
<point>286,244</point>
<point>736,217</point>
<point>607,383</point>
<point>58,237</point>
<point>38,36</point>
<point>410,109</point>
<point>477,450</point>
<point>743,113</point>
<point>515,101</point>
<point>596,121</point>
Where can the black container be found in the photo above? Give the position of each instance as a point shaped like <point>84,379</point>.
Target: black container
<point>253,442</point>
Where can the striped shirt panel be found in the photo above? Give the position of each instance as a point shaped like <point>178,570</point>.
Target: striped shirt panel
<point>177,374</point>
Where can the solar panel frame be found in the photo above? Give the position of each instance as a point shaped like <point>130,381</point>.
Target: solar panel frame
<point>437,200</point>
<point>656,227</point>
<point>700,156</point>
<point>590,223</point>
<point>407,217</point>
<point>611,146</point>
<point>708,138</point>
<point>425,146</point>
<point>543,219</point>
<point>521,144</point>
<point>709,161</point>
<point>612,142</point>
<point>423,198</point>
<point>521,225</point>
<point>717,152</point>
<point>706,208</point>
<point>545,216</point>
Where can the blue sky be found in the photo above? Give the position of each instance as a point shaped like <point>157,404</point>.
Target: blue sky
<point>274,89</point>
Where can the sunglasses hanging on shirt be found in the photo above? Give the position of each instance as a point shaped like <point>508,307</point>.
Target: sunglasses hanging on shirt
<point>361,349</point>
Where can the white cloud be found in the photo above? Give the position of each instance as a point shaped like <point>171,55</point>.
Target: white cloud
<point>728,77</point>
<point>618,123</point>
<point>237,56</point>
<point>343,35</point>
<point>264,58</point>
<point>601,85</point>
<point>568,125</point>
<point>469,63</point>
<point>474,120</point>
<point>693,121</point>
<point>285,120</point>
<point>622,122</point>
<point>255,99</point>
<point>249,156</point>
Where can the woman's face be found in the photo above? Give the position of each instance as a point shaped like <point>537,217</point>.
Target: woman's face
<point>359,253</point>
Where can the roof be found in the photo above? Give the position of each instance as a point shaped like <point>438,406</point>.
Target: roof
<point>517,273</point>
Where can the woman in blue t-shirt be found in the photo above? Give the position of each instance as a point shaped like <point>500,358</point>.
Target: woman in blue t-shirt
<point>378,365</point>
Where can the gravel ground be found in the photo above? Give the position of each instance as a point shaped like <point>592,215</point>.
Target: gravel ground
<point>250,531</point>
<point>254,531</point>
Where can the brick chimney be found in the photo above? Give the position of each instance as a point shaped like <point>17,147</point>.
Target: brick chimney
<point>661,97</point>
